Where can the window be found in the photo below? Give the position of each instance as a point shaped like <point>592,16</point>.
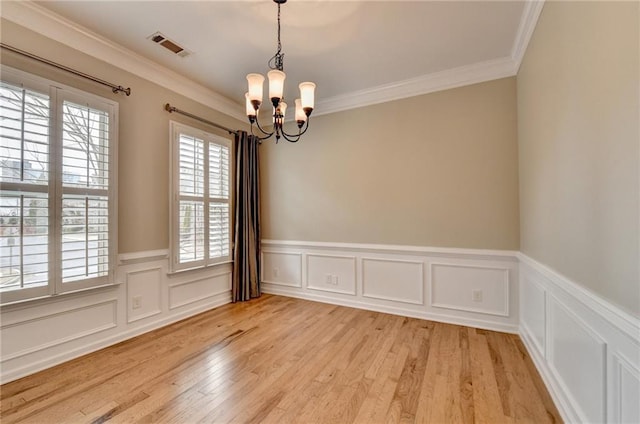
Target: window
<point>57,188</point>
<point>200,207</point>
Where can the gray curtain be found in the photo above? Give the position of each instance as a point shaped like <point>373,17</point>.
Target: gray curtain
<point>246,253</point>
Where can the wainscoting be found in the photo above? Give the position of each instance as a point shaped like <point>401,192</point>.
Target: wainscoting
<point>587,350</point>
<point>471,287</point>
<point>39,334</point>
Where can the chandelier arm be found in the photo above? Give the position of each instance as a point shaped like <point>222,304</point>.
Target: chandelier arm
<point>263,131</point>
<point>293,139</point>
<point>306,126</point>
<point>300,130</point>
<point>260,138</point>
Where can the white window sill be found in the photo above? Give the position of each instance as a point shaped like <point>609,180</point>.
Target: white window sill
<point>198,268</point>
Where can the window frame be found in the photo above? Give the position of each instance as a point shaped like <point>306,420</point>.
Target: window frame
<point>175,130</point>
<point>59,93</point>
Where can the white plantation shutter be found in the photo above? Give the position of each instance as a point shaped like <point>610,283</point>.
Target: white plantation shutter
<point>219,238</point>
<point>85,192</point>
<point>24,198</point>
<point>57,188</point>
<point>200,213</point>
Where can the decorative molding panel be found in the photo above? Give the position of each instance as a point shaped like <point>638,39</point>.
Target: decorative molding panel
<point>331,273</point>
<point>144,284</point>
<point>42,333</point>
<point>625,396</point>
<point>618,318</point>
<point>56,329</point>
<point>592,355</point>
<point>388,278</point>
<point>192,291</point>
<point>575,348</point>
<point>393,279</point>
<point>533,307</point>
<point>454,286</point>
<point>282,268</point>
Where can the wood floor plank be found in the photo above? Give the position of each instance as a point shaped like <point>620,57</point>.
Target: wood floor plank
<point>284,360</point>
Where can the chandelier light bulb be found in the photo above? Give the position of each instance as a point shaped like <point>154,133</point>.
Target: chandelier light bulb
<point>307,96</point>
<point>250,110</point>
<point>283,109</point>
<point>276,85</point>
<point>256,82</point>
<point>301,117</point>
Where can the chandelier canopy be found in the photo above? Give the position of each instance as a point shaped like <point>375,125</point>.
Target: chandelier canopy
<point>253,98</point>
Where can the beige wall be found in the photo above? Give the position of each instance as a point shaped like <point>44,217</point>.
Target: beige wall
<point>433,170</point>
<point>143,159</point>
<point>578,133</point>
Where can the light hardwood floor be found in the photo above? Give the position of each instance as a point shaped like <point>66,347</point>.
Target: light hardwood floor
<point>279,360</point>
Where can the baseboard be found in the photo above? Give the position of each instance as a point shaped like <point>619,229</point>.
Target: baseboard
<point>505,328</point>
<point>586,349</point>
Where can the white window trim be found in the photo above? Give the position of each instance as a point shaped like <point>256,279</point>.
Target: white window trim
<point>57,94</point>
<point>175,129</point>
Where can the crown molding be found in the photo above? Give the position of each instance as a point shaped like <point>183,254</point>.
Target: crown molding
<point>56,27</point>
<point>443,80</point>
<point>437,81</point>
<point>528,21</point>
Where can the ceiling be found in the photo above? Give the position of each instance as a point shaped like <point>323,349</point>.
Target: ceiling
<point>370,51</point>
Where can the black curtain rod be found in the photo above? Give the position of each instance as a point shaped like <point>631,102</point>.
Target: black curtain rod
<point>114,88</point>
<point>171,109</point>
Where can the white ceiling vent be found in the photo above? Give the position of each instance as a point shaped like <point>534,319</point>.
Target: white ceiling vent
<point>168,44</point>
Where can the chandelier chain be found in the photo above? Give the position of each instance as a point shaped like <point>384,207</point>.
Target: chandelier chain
<point>277,61</point>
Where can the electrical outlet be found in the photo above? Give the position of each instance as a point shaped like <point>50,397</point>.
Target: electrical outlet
<point>136,302</point>
<point>276,272</point>
<point>335,280</point>
<point>476,295</point>
<point>328,279</point>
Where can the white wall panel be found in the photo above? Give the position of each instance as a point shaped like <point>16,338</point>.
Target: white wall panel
<point>578,356</point>
<point>145,286</point>
<point>42,333</point>
<point>453,287</point>
<point>625,392</point>
<point>393,279</point>
<point>533,312</point>
<point>282,268</point>
<point>629,395</point>
<point>34,334</point>
<point>390,279</point>
<point>188,292</point>
<point>592,347</point>
<point>331,273</point>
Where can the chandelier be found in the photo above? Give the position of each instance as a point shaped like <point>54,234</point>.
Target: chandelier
<point>304,105</point>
